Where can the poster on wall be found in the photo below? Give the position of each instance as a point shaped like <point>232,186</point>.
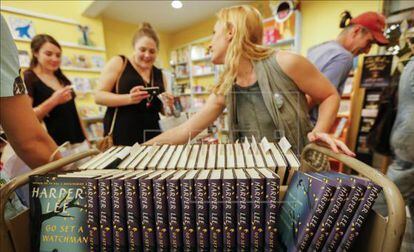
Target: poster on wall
<point>376,71</point>
<point>21,28</point>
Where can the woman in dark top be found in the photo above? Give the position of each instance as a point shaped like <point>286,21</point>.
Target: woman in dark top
<point>137,116</point>
<point>51,91</point>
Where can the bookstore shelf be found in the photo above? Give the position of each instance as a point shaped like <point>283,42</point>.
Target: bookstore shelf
<point>204,74</point>
<point>379,234</point>
<point>75,69</point>
<point>68,44</point>
<point>208,58</point>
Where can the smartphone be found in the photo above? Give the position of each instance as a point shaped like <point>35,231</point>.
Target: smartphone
<point>152,90</point>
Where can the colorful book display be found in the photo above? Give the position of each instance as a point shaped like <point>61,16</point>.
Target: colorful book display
<point>197,208</point>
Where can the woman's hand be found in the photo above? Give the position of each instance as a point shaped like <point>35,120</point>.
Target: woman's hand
<point>333,143</point>
<point>168,99</point>
<point>62,95</point>
<point>136,95</point>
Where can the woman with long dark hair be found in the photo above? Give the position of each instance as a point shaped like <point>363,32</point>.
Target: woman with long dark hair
<point>51,92</point>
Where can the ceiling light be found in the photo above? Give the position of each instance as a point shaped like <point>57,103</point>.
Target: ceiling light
<point>176,4</point>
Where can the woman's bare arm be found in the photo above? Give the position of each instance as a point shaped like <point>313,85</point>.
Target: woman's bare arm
<point>201,120</point>
<point>313,83</point>
<point>107,81</point>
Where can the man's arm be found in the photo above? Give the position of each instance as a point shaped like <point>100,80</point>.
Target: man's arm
<point>24,132</point>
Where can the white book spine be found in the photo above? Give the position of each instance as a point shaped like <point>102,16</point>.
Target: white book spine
<point>202,156</point>
<point>230,157</point>
<point>221,156</point>
<point>162,165</point>
<point>211,161</point>
<point>172,164</point>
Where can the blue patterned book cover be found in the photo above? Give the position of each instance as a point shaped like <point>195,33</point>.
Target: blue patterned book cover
<point>58,213</point>
<point>303,207</point>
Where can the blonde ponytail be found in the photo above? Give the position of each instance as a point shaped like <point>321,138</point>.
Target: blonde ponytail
<point>247,25</point>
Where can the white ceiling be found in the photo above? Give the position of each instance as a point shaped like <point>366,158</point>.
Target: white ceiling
<point>160,14</point>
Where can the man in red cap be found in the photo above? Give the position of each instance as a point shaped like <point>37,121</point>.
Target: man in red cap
<point>334,58</point>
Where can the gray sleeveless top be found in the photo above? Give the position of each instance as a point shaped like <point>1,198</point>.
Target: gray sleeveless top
<point>273,107</point>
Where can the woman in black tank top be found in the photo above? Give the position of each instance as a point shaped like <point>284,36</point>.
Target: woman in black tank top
<point>51,93</point>
<point>137,111</point>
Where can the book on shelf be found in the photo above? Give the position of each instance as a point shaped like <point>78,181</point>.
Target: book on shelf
<point>202,219</point>
<point>304,205</point>
<point>229,195</point>
<point>257,183</point>
<point>24,58</point>
<point>188,211</point>
<point>243,214</point>
<point>174,210</point>
<point>339,198</point>
<point>216,210</point>
<point>161,210</point>
<point>348,210</point>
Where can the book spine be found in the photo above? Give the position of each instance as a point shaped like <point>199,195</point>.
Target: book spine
<point>344,218</point>
<point>105,214</point>
<point>161,215</point>
<point>174,214</point>
<point>308,232</point>
<point>328,221</point>
<point>258,214</point>
<point>147,214</point>
<point>202,218</point>
<point>118,215</point>
<point>133,211</point>
<point>243,215</point>
<point>216,215</point>
<point>188,214</point>
<point>359,218</point>
<point>229,215</point>
<point>272,213</point>
<point>93,214</point>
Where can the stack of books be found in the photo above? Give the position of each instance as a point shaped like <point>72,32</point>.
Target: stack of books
<point>325,211</point>
<point>115,210</point>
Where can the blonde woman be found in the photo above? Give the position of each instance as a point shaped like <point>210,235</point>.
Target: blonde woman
<point>263,89</point>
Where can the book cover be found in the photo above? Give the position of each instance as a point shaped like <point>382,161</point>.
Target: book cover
<point>188,210</point>
<point>304,205</point>
<point>146,194</point>
<point>161,211</point>
<point>328,222</point>
<point>133,211</point>
<point>174,212</point>
<point>257,184</point>
<point>216,210</point>
<point>272,208</point>
<point>243,213</point>
<point>354,199</point>
<point>229,210</point>
<point>202,210</point>
<point>361,214</point>
<point>58,213</point>
<point>119,219</point>
<point>93,214</point>
<point>105,214</point>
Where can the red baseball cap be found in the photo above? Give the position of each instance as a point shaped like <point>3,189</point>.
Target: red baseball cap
<point>375,23</point>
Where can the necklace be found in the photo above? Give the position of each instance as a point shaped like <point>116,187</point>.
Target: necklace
<point>149,99</point>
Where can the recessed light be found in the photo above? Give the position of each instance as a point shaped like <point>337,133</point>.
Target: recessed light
<point>176,4</point>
